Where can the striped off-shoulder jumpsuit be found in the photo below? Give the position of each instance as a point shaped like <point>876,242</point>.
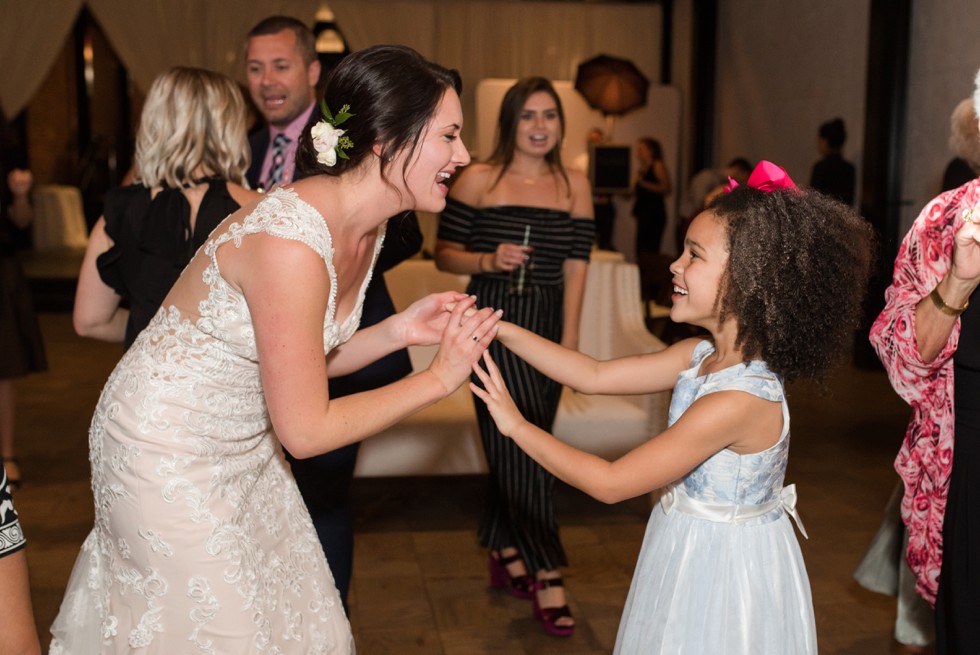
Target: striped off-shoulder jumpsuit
<point>520,508</point>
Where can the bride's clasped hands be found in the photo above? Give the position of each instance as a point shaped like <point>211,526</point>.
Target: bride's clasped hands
<point>452,320</point>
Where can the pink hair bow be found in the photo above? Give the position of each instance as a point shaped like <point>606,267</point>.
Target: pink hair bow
<point>767,177</point>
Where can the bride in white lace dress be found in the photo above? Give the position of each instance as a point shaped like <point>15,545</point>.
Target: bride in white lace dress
<point>202,543</point>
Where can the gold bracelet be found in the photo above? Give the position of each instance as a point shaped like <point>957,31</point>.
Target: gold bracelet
<point>941,305</point>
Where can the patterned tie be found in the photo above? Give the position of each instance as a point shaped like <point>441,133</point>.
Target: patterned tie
<point>278,160</point>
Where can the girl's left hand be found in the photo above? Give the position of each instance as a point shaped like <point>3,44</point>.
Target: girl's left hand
<point>494,393</point>
<point>425,320</point>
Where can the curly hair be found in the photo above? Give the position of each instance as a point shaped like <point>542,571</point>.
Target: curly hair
<point>797,273</point>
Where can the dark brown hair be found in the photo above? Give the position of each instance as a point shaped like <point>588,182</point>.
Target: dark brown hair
<point>392,92</point>
<point>798,266</point>
<point>510,112</point>
<point>834,132</point>
<point>656,152</point>
<point>305,41</point>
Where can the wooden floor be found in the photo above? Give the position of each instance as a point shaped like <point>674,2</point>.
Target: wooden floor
<point>420,583</point>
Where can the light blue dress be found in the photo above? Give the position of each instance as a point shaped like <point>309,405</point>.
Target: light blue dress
<point>720,570</point>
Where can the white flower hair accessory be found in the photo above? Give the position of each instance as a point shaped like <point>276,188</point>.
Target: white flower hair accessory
<point>329,141</point>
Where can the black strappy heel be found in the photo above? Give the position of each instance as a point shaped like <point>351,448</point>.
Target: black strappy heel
<point>549,616</point>
<point>520,586</point>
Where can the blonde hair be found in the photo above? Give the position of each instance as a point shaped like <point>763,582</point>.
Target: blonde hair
<point>193,119</point>
<point>964,133</point>
<point>976,90</point>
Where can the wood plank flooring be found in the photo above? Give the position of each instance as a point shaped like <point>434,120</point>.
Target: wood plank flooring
<point>420,582</point>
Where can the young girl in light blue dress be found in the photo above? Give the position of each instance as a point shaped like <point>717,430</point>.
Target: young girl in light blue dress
<point>776,275</point>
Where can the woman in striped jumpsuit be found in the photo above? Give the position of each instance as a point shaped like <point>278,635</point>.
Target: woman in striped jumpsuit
<point>521,225</point>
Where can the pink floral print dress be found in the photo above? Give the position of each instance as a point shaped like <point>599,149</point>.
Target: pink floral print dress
<point>925,459</point>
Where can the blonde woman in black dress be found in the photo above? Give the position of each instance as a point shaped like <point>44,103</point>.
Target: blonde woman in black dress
<point>191,158</point>
<point>523,207</point>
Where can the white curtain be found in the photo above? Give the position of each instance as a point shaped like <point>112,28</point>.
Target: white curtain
<point>414,23</point>
<point>776,86</point>
<point>945,57</point>
<point>480,38</point>
<point>487,39</point>
<point>150,36</point>
<point>31,36</point>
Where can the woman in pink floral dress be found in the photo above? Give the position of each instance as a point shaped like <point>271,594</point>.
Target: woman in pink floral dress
<point>928,337</point>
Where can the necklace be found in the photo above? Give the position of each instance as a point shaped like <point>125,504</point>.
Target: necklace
<point>527,179</point>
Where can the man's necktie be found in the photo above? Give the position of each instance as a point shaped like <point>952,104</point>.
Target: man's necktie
<point>278,160</point>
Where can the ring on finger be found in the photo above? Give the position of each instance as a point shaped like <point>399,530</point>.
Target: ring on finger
<point>475,338</point>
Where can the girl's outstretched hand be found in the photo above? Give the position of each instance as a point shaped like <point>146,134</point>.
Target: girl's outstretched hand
<point>494,393</point>
<point>425,320</point>
<point>466,336</point>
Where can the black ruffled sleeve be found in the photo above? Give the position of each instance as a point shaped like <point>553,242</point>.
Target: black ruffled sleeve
<point>120,203</point>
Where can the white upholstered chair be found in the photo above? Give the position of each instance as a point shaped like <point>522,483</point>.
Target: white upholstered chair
<point>59,221</point>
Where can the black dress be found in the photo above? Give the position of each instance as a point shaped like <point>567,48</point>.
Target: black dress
<point>651,216</point>
<point>520,510</point>
<point>836,177</point>
<point>958,172</point>
<point>153,242</point>
<point>958,597</point>
<point>21,345</point>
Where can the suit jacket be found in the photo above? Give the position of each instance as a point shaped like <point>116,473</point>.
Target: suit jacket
<point>402,240</point>
<point>259,143</point>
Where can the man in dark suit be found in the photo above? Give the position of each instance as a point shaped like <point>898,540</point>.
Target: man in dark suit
<point>283,71</point>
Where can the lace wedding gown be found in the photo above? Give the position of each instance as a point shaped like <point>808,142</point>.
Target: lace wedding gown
<point>202,543</point>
